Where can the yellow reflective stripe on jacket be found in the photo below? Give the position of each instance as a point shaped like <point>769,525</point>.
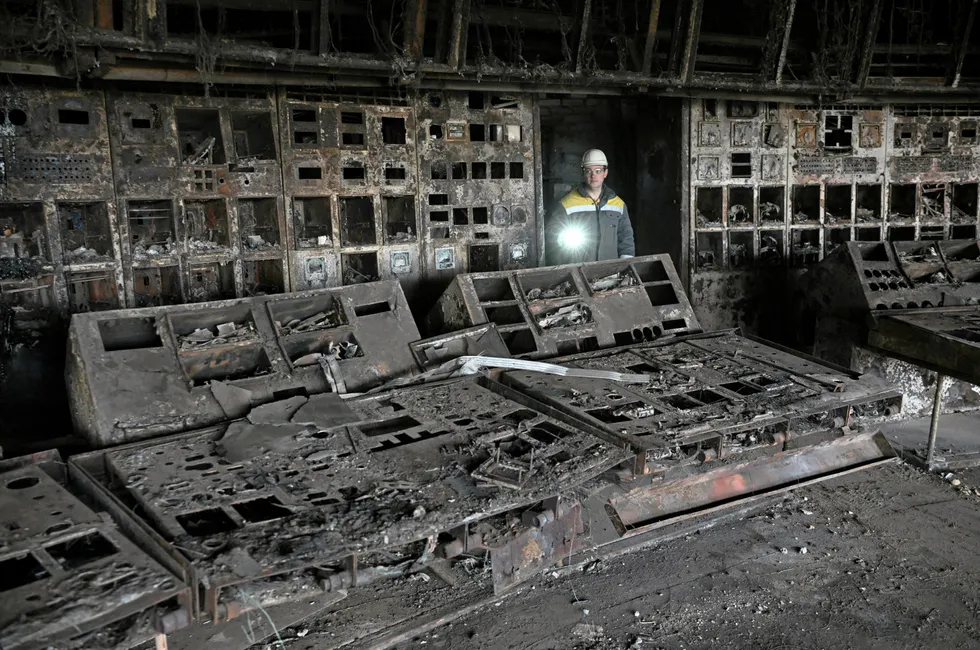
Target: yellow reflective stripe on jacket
<point>574,202</point>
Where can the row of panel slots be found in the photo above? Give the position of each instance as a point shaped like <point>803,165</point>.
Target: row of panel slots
<point>393,172</point>
<point>745,207</point>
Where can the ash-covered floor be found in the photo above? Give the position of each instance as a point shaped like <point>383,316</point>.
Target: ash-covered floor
<point>888,563</point>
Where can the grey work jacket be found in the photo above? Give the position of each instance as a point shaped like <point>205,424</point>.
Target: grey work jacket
<point>605,223</point>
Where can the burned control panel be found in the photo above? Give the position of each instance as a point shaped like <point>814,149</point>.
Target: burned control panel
<point>70,579</point>
<point>575,308</point>
<point>708,397</point>
<point>776,187</point>
<point>302,491</point>
<point>141,373</point>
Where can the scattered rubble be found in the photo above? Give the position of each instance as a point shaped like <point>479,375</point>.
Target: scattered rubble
<point>221,334</point>
<point>614,281</point>
<point>566,316</point>
<point>560,290</point>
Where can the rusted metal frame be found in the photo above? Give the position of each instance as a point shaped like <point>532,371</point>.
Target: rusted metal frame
<point>785,48</point>
<point>414,27</point>
<point>103,14</point>
<point>954,78</point>
<point>443,22</point>
<point>538,182</point>
<point>583,37</point>
<point>650,45</point>
<point>691,42</point>
<point>321,20</point>
<point>937,407</point>
<point>874,19</point>
<point>457,40</point>
<point>685,269</point>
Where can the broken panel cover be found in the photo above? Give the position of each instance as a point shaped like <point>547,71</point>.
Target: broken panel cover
<point>70,580</point>
<point>575,308</point>
<point>711,396</point>
<point>322,483</point>
<point>138,373</point>
<point>943,339</point>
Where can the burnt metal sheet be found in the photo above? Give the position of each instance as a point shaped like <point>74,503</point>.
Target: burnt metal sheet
<point>667,502</point>
<point>477,340</point>
<point>575,308</point>
<point>134,374</point>
<point>946,340</point>
<point>70,578</point>
<point>713,396</point>
<point>537,548</point>
<point>412,466</point>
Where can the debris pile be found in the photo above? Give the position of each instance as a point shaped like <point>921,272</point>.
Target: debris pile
<point>560,290</point>
<point>257,242</point>
<point>567,316</point>
<point>738,213</point>
<point>82,254</point>
<point>614,281</point>
<point>141,251</point>
<point>204,245</point>
<point>865,214</point>
<point>335,350</point>
<point>769,211</point>
<point>322,320</point>
<point>221,334</point>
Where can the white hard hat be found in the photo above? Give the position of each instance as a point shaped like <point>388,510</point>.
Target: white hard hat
<point>594,157</point>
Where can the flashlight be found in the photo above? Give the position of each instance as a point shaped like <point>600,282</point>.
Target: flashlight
<point>571,238</point>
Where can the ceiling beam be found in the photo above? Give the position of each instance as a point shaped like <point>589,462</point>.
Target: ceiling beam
<point>870,35</point>
<point>457,38</point>
<point>781,65</point>
<point>583,37</point>
<point>690,56</point>
<point>962,47</point>
<point>414,27</point>
<point>650,44</point>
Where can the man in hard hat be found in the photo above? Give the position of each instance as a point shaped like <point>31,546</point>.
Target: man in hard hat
<point>591,222</point>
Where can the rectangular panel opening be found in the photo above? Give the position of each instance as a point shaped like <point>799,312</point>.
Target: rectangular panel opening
<point>461,216</point>
<point>708,248</point>
<point>548,284</point>
<point>674,324</point>
<point>95,291</point>
<point>837,203</point>
<point>740,206</point>
<point>498,170</point>
<point>874,253</point>
<point>459,171</point>
<point>516,170</point>
<point>68,116</point>
<point>308,173</point>
<point>492,289</point>
<point>741,389</point>
<point>141,123</point>
<point>740,250</point>
<point>618,413</point>
<point>352,139</point>
<point>204,523</point>
<point>709,206</point>
<point>481,216</point>
<point>651,271</point>
<point>681,402</point>
<point>806,247</point>
<point>354,173</point>
<point>79,551</point>
<point>199,135</point>
<point>359,267</point>
<point>741,165</point>
<point>395,173</point>
<point>388,427</point>
<point>496,132</point>
<point>225,364</point>
<point>867,234</point>
<point>476,100</point>
<point>963,232</point>
<point>513,133</point>
<point>932,206</point>
<point>477,133</point>
<point>662,294</point>
<point>399,217</point>
<point>258,223</point>
<point>27,237</point>
<point>771,204</point>
<point>771,251</point>
<point>393,130</point>
<point>479,170</point>
<point>262,277</point>
<point>253,136</point>
<point>129,334</point>
<point>520,341</point>
<point>19,571</point>
<point>868,203</point>
<point>484,258</point>
<point>507,315</point>
<point>85,233</point>
<point>438,199</point>
<point>806,203</point>
<point>207,225</point>
<point>307,314</point>
<point>211,282</point>
<point>901,233</point>
<point>357,222</point>
<point>901,203</point>
<point>262,509</point>
<point>351,117</point>
<point>313,222</point>
<point>838,133</point>
<point>963,206</point>
<point>833,238</point>
<point>304,115</point>
<point>372,308</point>
<point>157,286</point>
<point>439,215</point>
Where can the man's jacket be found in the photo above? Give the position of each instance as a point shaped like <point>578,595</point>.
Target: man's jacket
<point>605,224</point>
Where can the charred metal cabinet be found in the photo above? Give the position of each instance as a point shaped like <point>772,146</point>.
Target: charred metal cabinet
<point>200,192</point>
<point>775,188</point>
<point>59,246</point>
<point>574,308</point>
